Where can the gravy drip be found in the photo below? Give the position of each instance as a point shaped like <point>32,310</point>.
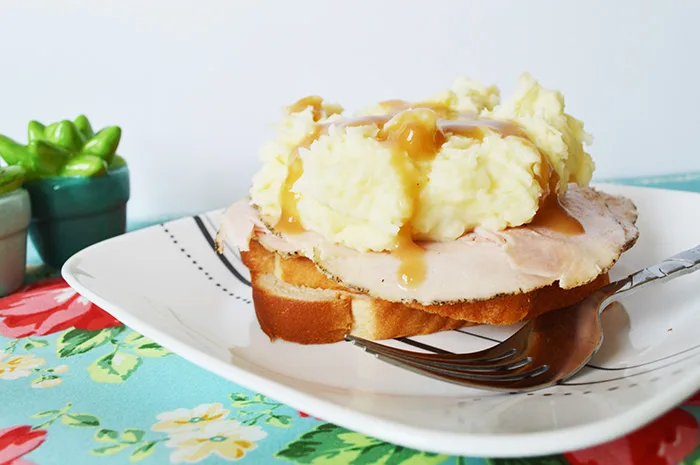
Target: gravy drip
<point>412,267</point>
<point>553,216</point>
<point>313,101</point>
<point>289,221</point>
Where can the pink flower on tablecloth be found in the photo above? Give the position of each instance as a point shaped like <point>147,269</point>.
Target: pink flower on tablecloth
<point>665,441</point>
<point>48,307</point>
<point>17,441</point>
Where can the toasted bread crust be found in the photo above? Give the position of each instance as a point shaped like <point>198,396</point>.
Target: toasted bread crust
<point>394,319</point>
<point>296,319</point>
<point>509,309</point>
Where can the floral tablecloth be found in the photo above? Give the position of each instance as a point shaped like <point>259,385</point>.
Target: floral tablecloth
<point>78,387</point>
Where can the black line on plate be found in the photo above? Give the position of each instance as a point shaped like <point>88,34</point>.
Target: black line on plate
<point>224,260</point>
<point>459,330</point>
<point>645,363</point>
<point>629,376</point>
<point>420,345</point>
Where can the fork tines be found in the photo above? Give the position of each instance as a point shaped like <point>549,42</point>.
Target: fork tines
<point>477,368</point>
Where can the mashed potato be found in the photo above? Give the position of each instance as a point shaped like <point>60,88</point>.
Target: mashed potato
<point>432,170</point>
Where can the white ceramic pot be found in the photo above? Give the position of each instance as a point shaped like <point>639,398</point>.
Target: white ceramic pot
<point>15,213</point>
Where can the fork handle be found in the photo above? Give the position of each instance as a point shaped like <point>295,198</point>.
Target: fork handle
<point>680,264</point>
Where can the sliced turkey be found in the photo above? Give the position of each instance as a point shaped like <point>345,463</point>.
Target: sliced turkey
<point>479,265</point>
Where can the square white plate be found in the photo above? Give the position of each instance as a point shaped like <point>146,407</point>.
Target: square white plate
<point>167,283</point>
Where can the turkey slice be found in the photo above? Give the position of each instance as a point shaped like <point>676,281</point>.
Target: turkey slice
<point>479,265</point>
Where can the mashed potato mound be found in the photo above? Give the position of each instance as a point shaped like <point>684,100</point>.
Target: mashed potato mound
<point>362,188</point>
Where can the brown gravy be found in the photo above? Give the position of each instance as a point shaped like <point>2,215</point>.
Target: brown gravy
<point>313,101</point>
<point>551,215</point>
<point>289,221</point>
<point>412,267</point>
<point>396,106</point>
<point>421,142</point>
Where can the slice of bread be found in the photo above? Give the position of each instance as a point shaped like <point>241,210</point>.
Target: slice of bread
<point>296,302</point>
<point>318,316</point>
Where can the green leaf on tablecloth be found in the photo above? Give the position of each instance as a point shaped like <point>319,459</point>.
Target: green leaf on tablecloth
<point>35,344</point>
<point>109,450</point>
<point>11,346</point>
<point>151,349</point>
<point>406,456</point>
<point>134,338</point>
<point>378,453</point>
<point>78,341</point>
<point>259,398</point>
<point>106,435</point>
<point>144,346</point>
<point>115,367</point>
<point>143,451</point>
<point>80,420</point>
<point>549,460</point>
<point>328,443</point>
<point>46,413</point>
<point>44,381</point>
<point>252,421</point>
<point>280,421</point>
<point>132,435</point>
<point>239,400</point>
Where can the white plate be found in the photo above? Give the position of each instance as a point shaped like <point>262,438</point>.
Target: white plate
<point>167,283</point>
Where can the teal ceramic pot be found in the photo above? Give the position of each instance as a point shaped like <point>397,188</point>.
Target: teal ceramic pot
<point>14,215</point>
<point>71,213</point>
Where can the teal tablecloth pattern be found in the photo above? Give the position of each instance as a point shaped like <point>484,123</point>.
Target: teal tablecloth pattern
<point>78,387</point>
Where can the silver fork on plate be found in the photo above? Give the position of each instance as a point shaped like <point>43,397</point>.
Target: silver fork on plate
<point>549,349</point>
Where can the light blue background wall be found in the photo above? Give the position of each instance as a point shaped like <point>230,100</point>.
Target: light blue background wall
<point>195,84</point>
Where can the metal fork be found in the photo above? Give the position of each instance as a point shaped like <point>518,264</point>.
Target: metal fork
<point>549,349</point>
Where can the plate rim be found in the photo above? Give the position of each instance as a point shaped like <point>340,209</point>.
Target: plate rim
<point>425,439</point>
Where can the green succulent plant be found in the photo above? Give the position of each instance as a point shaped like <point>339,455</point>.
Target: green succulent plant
<point>11,178</point>
<point>65,148</point>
